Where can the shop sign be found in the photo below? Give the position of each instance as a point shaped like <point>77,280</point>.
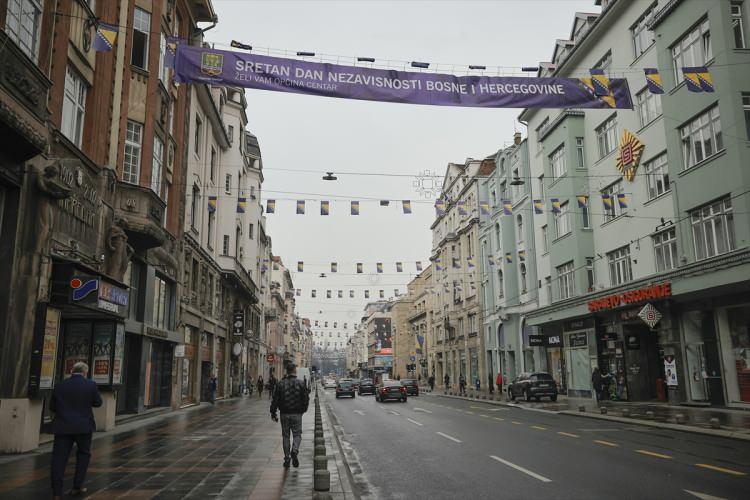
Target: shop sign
<point>119,356</point>
<point>536,340</point>
<point>179,351</point>
<point>237,349</point>
<point>670,370</point>
<point>94,292</point>
<point>238,322</point>
<point>156,332</point>
<point>629,157</point>
<point>554,341</point>
<point>578,340</point>
<point>634,369</point>
<point>579,324</point>
<point>650,315</point>
<point>269,358</point>
<point>49,349</point>
<point>659,291</point>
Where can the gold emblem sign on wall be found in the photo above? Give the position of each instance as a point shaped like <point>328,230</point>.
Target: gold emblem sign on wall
<point>629,156</point>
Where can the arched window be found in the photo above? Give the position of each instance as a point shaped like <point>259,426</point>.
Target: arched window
<point>500,287</point>
<point>523,277</point>
<point>497,235</point>
<point>519,226</point>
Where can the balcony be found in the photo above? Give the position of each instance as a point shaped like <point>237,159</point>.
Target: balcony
<point>143,212</point>
<point>235,272</point>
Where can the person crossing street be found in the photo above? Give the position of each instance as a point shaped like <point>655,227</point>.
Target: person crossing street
<point>291,399</point>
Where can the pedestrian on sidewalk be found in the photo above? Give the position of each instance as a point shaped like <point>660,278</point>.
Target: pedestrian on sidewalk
<point>447,381</point>
<point>271,386</point>
<point>490,384</point>
<point>499,383</point>
<point>477,384</point>
<point>596,383</point>
<point>259,385</point>
<point>213,385</point>
<point>462,385</point>
<point>72,402</point>
<point>291,398</point>
<point>431,382</point>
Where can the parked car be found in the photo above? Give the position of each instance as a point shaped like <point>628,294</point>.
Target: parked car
<point>329,383</point>
<point>533,385</point>
<point>345,388</point>
<point>390,389</point>
<point>412,386</point>
<point>366,386</point>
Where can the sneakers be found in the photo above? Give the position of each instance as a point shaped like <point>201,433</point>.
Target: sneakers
<point>295,460</point>
<point>286,463</point>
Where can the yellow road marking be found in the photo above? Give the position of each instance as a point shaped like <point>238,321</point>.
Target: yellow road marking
<point>499,419</point>
<point>516,423</point>
<point>721,469</point>
<point>538,427</point>
<point>568,434</point>
<point>653,454</point>
<point>606,443</point>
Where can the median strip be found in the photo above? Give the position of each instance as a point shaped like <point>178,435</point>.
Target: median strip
<point>721,469</point>
<point>446,436</point>
<point>521,469</point>
<point>653,454</point>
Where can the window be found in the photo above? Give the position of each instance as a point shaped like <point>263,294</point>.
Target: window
<point>566,277</point>
<point>693,50</point>
<point>548,287</point>
<point>614,209</point>
<point>74,107</point>
<point>194,206</point>
<point>657,176</point>
<point>497,236</point>
<point>737,28</point>
<point>503,191</point>
<point>648,106</point>
<point>590,274</point>
<point>141,29</point>
<point>746,109</point>
<point>518,189</point>
<point>131,171</point>
<point>22,25</point>
<point>198,136</point>
<point>157,165</point>
<point>211,228</point>
<point>541,187</point>
<point>250,231</point>
<point>519,227</point>
<point>643,38</point>
<point>500,284</point>
<point>713,229</point>
<point>562,222</point>
<point>228,183</point>
<point>252,192</point>
<point>493,199</point>
<point>701,138</point>
<point>523,277</point>
<point>545,240</point>
<point>620,270</point>
<point>163,68</point>
<point>212,172</point>
<point>665,250</point>
<point>605,62</point>
<point>585,219</point>
<point>580,153</point>
<point>557,162</point>
<point>225,245</point>
<point>163,303</point>
<point>540,130</point>
<point>171,117</point>
<point>606,136</point>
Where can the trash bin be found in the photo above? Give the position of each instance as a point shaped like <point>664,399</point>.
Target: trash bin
<point>661,389</point>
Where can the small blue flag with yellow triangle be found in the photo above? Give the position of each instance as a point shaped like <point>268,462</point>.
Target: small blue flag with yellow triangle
<point>653,79</point>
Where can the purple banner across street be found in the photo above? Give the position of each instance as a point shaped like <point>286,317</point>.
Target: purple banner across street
<point>222,67</point>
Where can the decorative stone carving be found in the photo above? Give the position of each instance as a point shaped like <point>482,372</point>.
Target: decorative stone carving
<point>118,250</point>
<point>51,188</point>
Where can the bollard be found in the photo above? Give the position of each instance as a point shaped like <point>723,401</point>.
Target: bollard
<point>582,409</point>
<point>715,423</point>
<point>320,462</point>
<point>625,412</point>
<point>322,495</point>
<point>680,418</point>
<point>322,480</point>
<point>603,410</point>
<point>649,415</point>
<point>320,442</point>
<point>318,433</point>
<point>320,449</point>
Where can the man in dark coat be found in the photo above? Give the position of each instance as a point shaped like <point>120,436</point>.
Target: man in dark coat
<point>72,401</point>
<point>291,398</point>
<point>596,383</point>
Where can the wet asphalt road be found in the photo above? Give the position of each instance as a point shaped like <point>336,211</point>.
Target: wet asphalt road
<point>435,447</point>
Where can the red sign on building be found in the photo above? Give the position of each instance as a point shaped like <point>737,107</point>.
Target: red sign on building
<point>659,291</point>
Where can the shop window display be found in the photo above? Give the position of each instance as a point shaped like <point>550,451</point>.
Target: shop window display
<point>739,331</point>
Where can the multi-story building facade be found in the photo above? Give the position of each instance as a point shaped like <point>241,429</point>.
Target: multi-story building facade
<point>402,338</point>
<point>508,264</point>
<point>356,352</point>
<point>458,310</point>
<point>671,242</point>
<point>419,322</point>
<point>377,324</point>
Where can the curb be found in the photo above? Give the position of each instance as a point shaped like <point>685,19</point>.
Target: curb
<point>348,461</point>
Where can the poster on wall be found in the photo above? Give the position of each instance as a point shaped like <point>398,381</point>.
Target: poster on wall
<point>77,345</point>
<point>384,343</point>
<point>102,361</point>
<point>49,349</point>
<point>119,354</point>
<point>670,370</point>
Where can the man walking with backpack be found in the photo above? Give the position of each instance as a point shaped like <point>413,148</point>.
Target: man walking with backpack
<point>291,398</point>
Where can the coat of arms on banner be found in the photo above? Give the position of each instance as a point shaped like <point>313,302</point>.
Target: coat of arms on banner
<point>629,157</point>
<point>212,63</point>
<point>650,315</point>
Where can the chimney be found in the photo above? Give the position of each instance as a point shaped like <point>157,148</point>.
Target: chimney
<point>517,138</point>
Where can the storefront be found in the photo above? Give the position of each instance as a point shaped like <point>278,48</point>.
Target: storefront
<point>579,351</point>
<point>189,366</point>
<point>220,364</point>
<point>206,368</point>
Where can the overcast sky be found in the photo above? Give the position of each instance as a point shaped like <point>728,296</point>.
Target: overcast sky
<point>317,134</point>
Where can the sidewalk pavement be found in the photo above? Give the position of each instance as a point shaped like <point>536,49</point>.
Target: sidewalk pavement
<point>732,423</point>
<point>231,450</point>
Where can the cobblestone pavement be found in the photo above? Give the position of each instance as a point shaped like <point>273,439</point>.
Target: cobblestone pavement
<point>231,450</point>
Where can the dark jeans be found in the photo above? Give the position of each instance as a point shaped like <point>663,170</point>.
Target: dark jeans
<point>60,453</point>
<point>291,422</point>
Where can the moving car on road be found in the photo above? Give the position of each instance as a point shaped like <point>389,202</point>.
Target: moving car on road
<point>536,385</point>
<point>390,389</point>
<point>329,383</point>
<point>412,386</point>
<point>366,386</point>
<point>345,388</point>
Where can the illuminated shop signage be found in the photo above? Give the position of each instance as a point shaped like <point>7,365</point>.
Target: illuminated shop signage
<point>660,291</point>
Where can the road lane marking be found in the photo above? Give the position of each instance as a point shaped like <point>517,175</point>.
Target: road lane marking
<point>446,436</point>
<point>653,454</point>
<point>606,443</point>
<point>539,427</point>
<point>704,496</point>
<point>470,412</point>
<point>516,423</point>
<point>359,412</point>
<point>476,407</point>
<point>521,469</point>
<point>721,469</point>
<point>414,422</point>
<point>568,434</point>
<point>485,416</point>
<point>422,409</point>
<point>499,419</point>
<point>395,412</point>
